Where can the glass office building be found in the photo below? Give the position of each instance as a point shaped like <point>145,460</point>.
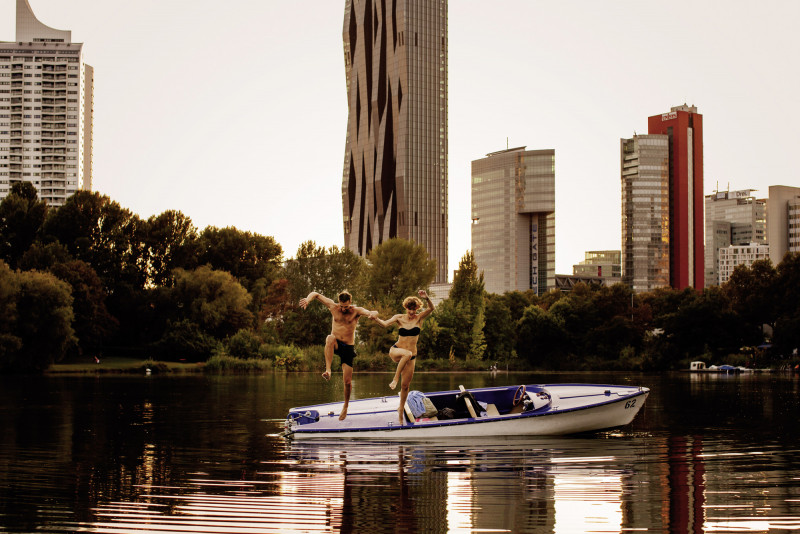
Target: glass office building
<point>645,212</point>
<point>394,181</point>
<point>783,221</point>
<point>732,218</point>
<point>45,111</point>
<point>513,215</point>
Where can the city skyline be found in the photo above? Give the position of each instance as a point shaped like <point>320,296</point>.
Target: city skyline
<point>171,133</point>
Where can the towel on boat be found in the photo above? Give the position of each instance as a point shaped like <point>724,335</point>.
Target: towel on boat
<point>420,405</point>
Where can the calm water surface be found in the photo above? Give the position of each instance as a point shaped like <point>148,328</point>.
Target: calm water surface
<point>199,454</point>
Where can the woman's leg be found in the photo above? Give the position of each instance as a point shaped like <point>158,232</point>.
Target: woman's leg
<point>408,374</point>
<point>401,356</point>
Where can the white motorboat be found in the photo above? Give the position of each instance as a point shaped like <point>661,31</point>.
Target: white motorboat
<point>525,410</point>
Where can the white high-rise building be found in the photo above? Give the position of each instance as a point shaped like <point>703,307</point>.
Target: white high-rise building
<point>734,255</point>
<point>732,218</point>
<point>45,111</point>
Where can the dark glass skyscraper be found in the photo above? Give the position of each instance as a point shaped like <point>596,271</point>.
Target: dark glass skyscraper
<point>394,182</point>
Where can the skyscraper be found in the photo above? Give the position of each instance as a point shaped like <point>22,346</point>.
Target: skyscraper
<point>644,164</point>
<point>783,221</point>
<point>513,213</point>
<point>684,128</point>
<point>394,182</point>
<point>45,110</point>
<point>732,218</point>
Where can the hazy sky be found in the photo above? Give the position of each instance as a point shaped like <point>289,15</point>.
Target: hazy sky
<point>234,112</point>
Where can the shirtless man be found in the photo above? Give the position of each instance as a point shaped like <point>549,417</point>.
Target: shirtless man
<point>342,337</point>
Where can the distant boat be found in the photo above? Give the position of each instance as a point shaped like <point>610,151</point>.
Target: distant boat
<point>700,367</point>
<point>525,410</point>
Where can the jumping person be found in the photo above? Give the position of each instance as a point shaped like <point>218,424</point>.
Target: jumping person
<point>404,352</point>
<point>342,337</point>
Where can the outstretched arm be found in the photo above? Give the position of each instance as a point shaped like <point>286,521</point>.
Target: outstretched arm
<point>429,308</point>
<point>314,295</point>
<point>383,323</point>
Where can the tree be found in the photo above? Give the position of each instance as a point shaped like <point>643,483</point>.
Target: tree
<point>541,338</point>
<point>468,287</point>
<point>398,268</point>
<point>213,300</point>
<point>100,232</point>
<point>462,318</point>
<point>21,217</point>
<point>752,291</point>
<point>327,272</point>
<point>37,330</point>
<point>93,324</point>
<point>499,330</point>
<point>247,256</point>
<point>171,241</point>
<point>10,342</point>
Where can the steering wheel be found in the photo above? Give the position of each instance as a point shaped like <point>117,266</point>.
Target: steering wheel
<point>518,395</point>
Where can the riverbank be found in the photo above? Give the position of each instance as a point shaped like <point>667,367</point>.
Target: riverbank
<point>119,364</point>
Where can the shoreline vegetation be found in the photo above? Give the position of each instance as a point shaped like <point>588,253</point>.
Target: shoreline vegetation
<point>91,279</point>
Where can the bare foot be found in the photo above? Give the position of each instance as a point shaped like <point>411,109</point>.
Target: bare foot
<point>400,414</point>
<point>327,375</point>
<point>343,414</point>
<point>393,384</point>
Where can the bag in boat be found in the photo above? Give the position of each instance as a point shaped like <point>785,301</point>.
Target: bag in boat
<point>468,398</point>
<point>420,405</point>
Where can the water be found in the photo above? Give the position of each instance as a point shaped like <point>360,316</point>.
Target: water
<point>198,454</point>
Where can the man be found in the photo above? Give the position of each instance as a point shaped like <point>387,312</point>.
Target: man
<point>342,337</point>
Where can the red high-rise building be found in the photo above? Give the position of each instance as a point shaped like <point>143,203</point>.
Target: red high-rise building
<point>684,126</point>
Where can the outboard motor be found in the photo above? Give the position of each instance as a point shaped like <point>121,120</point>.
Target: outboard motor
<point>536,400</point>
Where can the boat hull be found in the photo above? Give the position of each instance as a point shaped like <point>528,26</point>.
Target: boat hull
<point>575,408</point>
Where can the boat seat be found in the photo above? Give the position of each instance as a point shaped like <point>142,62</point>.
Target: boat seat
<point>491,410</point>
<point>411,418</point>
<point>409,415</point>
<point>470,409</point>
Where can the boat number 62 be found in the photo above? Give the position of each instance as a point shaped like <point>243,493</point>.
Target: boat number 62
<point>630,404</point>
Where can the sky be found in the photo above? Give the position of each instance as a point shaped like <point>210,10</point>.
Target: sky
<point>235,112</point>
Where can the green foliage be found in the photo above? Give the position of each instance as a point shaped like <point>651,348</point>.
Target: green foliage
<point>185,340</point>
<point>290,358</point>
<point>100,232</point>
<point>327,272</point>
<point>93,324</point>
<point>36,325</point>
<point>398,268</point>
<point>244,344</point>
<point>21,217</point>
<point>171,242</point>
<point>245,255</point>
<point>461,318</point>
<point>212,300</point>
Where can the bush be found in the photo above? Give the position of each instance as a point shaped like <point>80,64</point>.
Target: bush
<point>243,344</point>
<point>288,357</point>
<point>185,340</point>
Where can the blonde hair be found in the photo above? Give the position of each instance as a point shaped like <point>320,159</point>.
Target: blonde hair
<point>415,300</point>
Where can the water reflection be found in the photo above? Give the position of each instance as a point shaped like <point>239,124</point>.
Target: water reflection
<point>201,455</point>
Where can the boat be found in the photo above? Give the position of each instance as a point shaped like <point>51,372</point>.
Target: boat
<point>700,367</point>
<point>517,410</point>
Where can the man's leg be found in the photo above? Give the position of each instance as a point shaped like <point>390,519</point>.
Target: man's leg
<point>347,375</point>
<point>330,344</point>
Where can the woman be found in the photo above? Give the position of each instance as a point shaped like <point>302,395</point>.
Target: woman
<point>404,352</point>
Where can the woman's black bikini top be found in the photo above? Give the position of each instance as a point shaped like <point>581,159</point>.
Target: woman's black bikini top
<point>409,331</point>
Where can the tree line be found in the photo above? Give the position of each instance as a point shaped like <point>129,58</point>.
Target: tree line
<point>92,278</point>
